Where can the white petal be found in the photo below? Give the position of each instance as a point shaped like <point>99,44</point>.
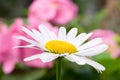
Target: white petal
<point>94,64</point>
<point>26,39</point>
<point>27,31</point>
<point>32,57</point>
<point>93,51</point>
<point>38,36</point>
<point>32,34</point>
<point>45,32</point>
<point>74,58</point>
<point>62,34</point>
<point>80,36</point>
<point>47,57</point>
<point>31,41</point>
<point>26,46</point>
<point>91,43</point>
<point>53,36</point>
<point>71,34</point>
<point>80,41</point>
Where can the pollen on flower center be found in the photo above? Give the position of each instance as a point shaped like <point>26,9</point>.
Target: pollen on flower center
<point>59,47</point>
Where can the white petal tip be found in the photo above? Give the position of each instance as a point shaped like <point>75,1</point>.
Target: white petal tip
<point>62,27</point>
<point>81,63</point>
<point>91,33</point>
<point>23,28</point>
<point>26,59</point>
<point>100,69</point>
<point>37,56</point>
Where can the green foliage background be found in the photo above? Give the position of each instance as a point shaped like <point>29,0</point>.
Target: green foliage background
<point>70,71</point>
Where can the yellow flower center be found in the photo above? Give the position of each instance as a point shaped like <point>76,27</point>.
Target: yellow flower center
<point>59,47</point>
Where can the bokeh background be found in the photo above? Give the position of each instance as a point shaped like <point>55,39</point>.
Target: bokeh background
<point>102,17</point>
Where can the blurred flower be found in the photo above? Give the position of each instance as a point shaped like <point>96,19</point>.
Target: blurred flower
<point>65,45</point>
<point>15,27</point>
<point>3,27</point>
<point>108,37</point>
<point>9,56</point>
<point>56,11</point>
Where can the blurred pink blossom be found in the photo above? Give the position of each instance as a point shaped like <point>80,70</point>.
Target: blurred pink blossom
<point>3,27</point>
<point>8,56</point>
<point>56,11</point>
<point>108,37</point>
<point>16,26</point>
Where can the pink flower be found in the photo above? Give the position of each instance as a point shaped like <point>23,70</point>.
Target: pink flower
<point>3,27</point>
<point>8,56</point>
<point>16,26</point>
<point>109,38</point>
<point>56,11</point>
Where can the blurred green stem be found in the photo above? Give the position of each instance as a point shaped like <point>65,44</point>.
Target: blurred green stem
<point>58,68</point>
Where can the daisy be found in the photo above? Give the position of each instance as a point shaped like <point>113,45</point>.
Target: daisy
<point>68,45</point>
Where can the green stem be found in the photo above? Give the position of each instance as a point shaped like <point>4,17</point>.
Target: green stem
<point>58,68</point>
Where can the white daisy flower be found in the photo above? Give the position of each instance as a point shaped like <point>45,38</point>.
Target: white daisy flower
<point>68,45</point>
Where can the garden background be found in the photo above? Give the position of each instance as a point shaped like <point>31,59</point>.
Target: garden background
<point>102,17</point>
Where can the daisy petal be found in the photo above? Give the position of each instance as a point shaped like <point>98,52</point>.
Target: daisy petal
<point>27,31</point>
<point>83,39</point>
<point>35,34</point>
<point>45,32</point>
<point>91,43</point>
<point>27,46</point>
<point>38,36</point>
<point>26,39</point>
<point>71,34</point>
<point>92,51</point>
<point>47,57</point>
<point>62,33</point>
<point>31,41</point>
<point>32,57</point>
<point>74,58</point>
<point>94,64</point>
<point>80,36</point>
<point>53,36</point>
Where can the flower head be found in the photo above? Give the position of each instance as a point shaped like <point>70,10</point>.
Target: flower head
<point>68,45</point>
<point>56,11</point>
<point>26,52</point>
<point>9,57</point>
